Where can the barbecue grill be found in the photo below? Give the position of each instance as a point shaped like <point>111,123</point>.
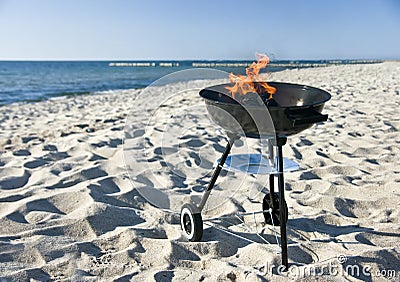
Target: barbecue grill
<point>292,109</point>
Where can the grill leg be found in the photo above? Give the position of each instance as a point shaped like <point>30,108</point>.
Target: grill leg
<point>272,190</point>
<point>217,171</point>
<point>281,185</point>
<point>271,176</point>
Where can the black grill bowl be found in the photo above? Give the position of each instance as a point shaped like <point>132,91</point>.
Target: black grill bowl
<point>299,107</point>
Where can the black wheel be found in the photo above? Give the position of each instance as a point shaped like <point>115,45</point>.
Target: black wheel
<point>275,212</point>
<point>191,222</point>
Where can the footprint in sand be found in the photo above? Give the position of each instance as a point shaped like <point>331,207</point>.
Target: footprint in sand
<point>138,133</point>
<point>35,211</point>
<point>35,163</point>
<point>21,153</point>
<point>28,139</point>
<point>13,198</point>
<point>78,177</point>
<point>106,186</point>
<point>50,148</point>
<point>13,178</point>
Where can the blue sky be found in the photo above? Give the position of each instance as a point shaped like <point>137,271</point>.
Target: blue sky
<point>208,29</point>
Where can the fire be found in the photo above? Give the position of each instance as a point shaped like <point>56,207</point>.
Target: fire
<point>251,82</point>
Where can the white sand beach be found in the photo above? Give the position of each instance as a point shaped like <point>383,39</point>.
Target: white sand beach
<point>70,212</point>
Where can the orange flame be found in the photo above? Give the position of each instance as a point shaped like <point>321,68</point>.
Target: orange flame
<point>245,84</point>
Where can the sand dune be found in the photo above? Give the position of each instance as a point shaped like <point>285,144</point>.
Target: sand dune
<point>70,212</point>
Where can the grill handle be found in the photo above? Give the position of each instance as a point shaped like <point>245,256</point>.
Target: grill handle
<point>304,117</point>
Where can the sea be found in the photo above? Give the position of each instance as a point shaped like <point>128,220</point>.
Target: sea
<point>32,81</point>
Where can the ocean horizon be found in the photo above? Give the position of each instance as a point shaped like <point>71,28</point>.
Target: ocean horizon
<point>32,81</point>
